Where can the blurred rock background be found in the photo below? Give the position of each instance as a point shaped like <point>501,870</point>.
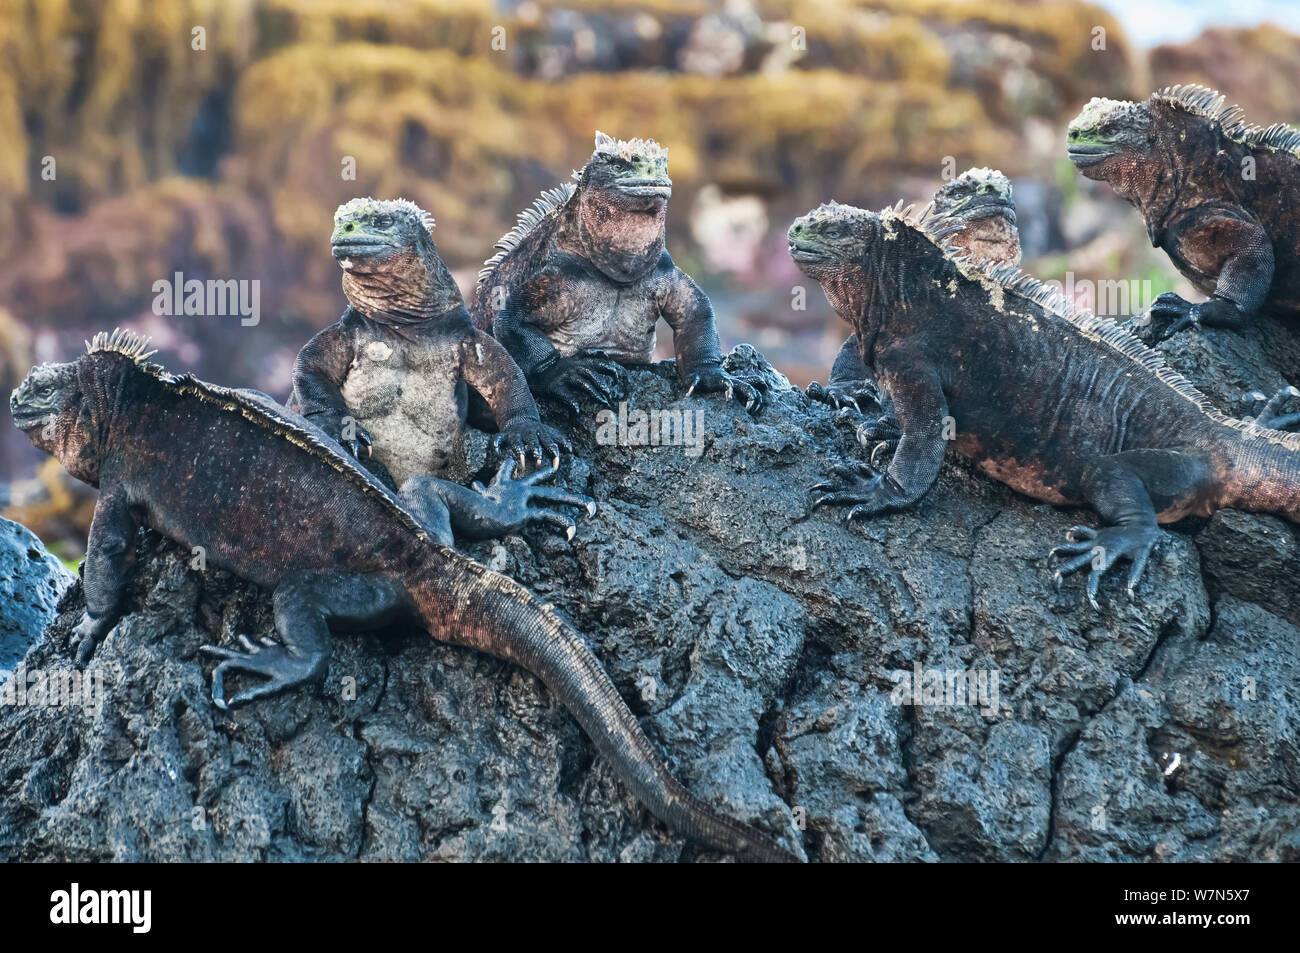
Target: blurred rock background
<point>215,138</point>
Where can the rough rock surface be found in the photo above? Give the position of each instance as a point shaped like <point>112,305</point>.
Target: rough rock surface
<point>31,582</point>
<point>758,642</point>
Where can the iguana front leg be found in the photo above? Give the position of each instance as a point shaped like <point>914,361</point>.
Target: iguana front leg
<point>850,384</point>
<point>686,309</point>
<point>919,400</point>
<point>318,375</point>
<point>1240,252</point>
<point>110,552</point>
<point>569,381</point>
<point>488,368</point>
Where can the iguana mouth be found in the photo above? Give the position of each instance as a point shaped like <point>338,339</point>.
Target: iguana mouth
<point>29,417</point>
<point>987,206</point>
<point>806,252</point>
<point>647,188</point>
<point>1085,155</point>
<point>360,248</point>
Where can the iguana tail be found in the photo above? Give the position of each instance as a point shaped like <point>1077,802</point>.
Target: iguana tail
<point>467,604</point>
<point>1264,475</point>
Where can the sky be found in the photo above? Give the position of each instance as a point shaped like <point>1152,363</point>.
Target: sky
<point>1152,22</point>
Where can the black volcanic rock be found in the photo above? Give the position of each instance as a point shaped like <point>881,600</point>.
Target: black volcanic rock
<point>763,646</point>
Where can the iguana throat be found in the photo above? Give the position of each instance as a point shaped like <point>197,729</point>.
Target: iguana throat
<point>616,221</point>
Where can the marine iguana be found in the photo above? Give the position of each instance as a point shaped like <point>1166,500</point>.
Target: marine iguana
<point>979,202</point>
<point>1051,400</point>
<point>576,288</point>
<point>276,501</point>
<point>1216,193</point>
<point>398,361</point>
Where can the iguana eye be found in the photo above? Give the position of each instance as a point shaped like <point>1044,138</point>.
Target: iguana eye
<point>383,221</point>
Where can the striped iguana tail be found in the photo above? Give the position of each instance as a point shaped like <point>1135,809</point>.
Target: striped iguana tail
<point>467,604</point>
<point>1264,472</point>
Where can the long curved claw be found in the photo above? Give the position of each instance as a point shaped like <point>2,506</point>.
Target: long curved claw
<point>751,394</point>
<point>566,399</point>
<point>694,383</point>
<point>594,384</point>
<point>554,518</point>
<point>555,494</point>
<point>538,476</point>
<point>844,394</point>
<point>881,454</point>
<point>1171,310</point>
<point>870,432</point>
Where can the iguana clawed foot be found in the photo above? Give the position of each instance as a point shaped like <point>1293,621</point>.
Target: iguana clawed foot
<point>531,438</point>
<point>281,668</point>
<point>859,487</point>
<point>1101,549</point>
<point>714,379</point>
<point>1171,313</point>
<point>850,393</point>
<point>881,436</point>
<point>589,375</point>
<point>510,499</point>
<point>353,438</point>
<point>1272,414</point>
<point>87,636</point>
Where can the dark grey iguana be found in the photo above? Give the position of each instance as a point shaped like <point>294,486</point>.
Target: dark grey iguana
<point>576,288</point>
<point>390,380</point>
<point>277,502</point>
<point>1220,196</point>
<point>1054,402</point>
<point>979,204</point>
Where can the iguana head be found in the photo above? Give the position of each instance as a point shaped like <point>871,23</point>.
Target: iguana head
<point>1112,141</point>
<point>391,268</point>
<point>623,193</point>
<point>47,397</point>
<point>831,245</point>
<point>979,203</point>
<point>631,174</point>
<point>66,409</point>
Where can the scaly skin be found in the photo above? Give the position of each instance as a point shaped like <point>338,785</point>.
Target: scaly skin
<point>578,285</point>
<point>390,380</point>
<point>275,501</point>
<point>1216,194</point>
<point>979,204</point>
<point>1056,403</point>
<point>399,359</point>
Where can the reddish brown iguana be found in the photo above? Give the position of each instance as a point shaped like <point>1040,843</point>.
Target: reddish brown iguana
<point>1055,402</point>
<point>577,287</point>
<point>979,204</point>
<point>276,501</point>
<point>1220,196</point>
